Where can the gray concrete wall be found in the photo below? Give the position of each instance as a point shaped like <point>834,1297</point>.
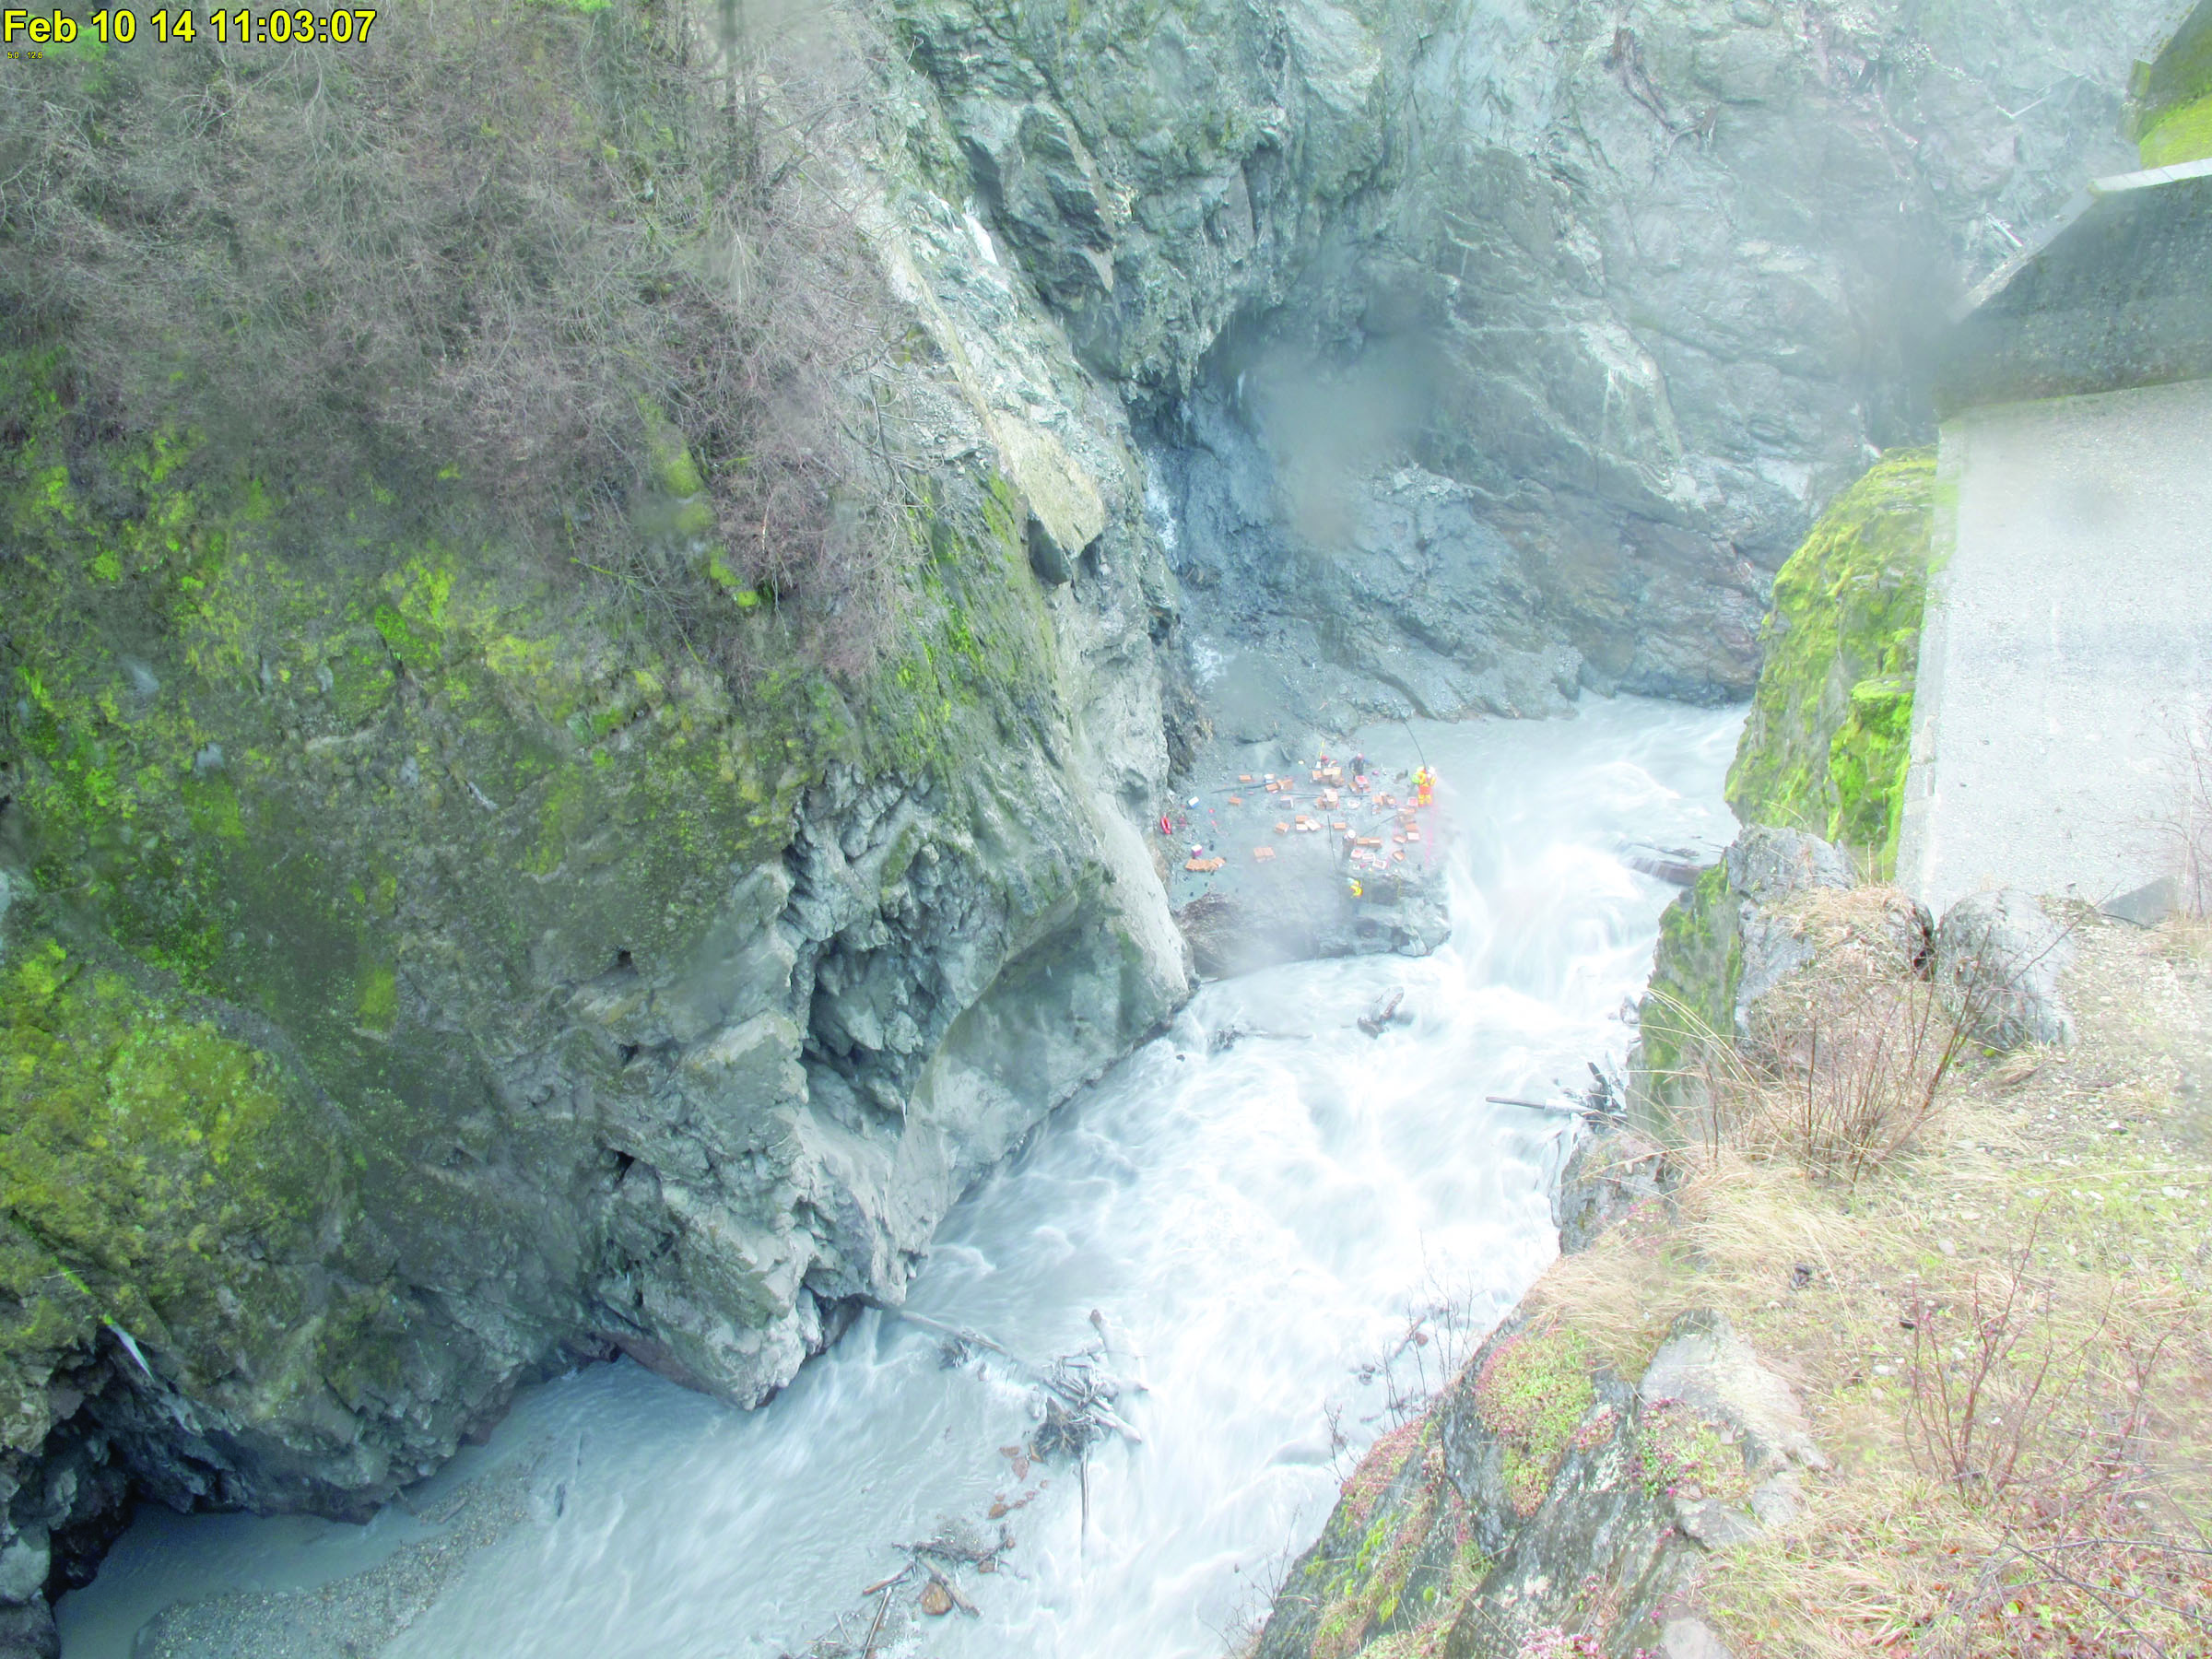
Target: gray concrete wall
<point>2068,639</point>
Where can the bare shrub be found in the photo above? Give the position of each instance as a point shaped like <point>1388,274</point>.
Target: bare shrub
<point>1846,1057</point>
<point>2049,1427</point>
<point>1989,1372</point>
<point>555,248</point>
<point>1239,1629</point>
<point>1440,1333</point>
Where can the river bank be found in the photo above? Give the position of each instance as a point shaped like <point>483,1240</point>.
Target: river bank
<point>1943,1384</point>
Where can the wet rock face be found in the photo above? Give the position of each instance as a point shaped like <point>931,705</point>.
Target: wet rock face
<point>476,983</point>
<point>1632,292</point>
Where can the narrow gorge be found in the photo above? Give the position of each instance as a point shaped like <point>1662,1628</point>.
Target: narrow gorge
<point>620,624</point>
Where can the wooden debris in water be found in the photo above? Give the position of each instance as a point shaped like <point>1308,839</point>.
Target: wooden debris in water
<point>1539,1105</point>
<point>867,1648</point>
<point>1383,1014</point>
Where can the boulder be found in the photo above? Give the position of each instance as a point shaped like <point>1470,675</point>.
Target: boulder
<point>1999,956</point>
<point>1767,869</point>
<point>1723,945</point>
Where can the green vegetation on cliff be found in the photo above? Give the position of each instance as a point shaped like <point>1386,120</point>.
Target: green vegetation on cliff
<point>365,790</point>
<point>2172,101</point>
<point>1826,747</point>
<point>2185,134</point>
<point>434,584</point>
<point>547,253</point>
<point>1695,971</point>
<point>158,1176</point>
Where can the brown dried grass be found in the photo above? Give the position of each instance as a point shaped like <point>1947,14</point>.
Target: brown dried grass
<point>506,237</point>
<point>1999,1328</point>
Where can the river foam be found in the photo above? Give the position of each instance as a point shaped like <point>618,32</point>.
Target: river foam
<point>1259,1201</point>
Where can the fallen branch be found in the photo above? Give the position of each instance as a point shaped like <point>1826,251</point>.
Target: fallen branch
<point>867,1648</point>
<point>1541,1106</point>
<point>1383,1014</point>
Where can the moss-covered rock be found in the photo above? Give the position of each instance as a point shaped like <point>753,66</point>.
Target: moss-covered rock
<point>1722,945</point>
<point>416,967</point>
<point>1533,1392</point>
<point>1543,1504</point>
<point>1826,745</point>
<point>2171,98</point>
<point>1394,1563</point>
<point>2182,135</point>
<point>1694,974</point>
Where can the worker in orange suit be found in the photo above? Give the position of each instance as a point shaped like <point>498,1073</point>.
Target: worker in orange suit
<point>1424,786</point>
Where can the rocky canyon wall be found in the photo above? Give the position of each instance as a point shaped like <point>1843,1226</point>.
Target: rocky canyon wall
<point>422,971</point>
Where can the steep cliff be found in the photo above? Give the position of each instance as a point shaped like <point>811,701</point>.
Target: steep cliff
<point>1635,293</point>
<point>428,961</point>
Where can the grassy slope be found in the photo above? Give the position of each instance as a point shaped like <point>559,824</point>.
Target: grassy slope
<point>2080,1177</point>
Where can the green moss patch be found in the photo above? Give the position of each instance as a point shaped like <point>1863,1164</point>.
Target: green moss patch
<point>1829,736</point>
<point>1385,1460</point>
<point>1682,1455</point>
<point>2182,135</point>
<point>1695,971</point>
<point>1368,1587</point>
<point>1533,1392</point>
<point>155,1175</point>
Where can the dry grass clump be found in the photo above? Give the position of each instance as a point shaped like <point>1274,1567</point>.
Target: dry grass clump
<point>574,254</point>
<point>1846,1056</point>
<point>1991,1278</point>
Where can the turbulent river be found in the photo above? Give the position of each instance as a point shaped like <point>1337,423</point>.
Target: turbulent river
<point>1260,1221</point>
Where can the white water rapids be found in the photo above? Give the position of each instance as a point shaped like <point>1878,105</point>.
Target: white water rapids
<point>1255,1221</point>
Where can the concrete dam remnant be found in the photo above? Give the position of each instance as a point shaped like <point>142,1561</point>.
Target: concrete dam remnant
<point>2067,650</point>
